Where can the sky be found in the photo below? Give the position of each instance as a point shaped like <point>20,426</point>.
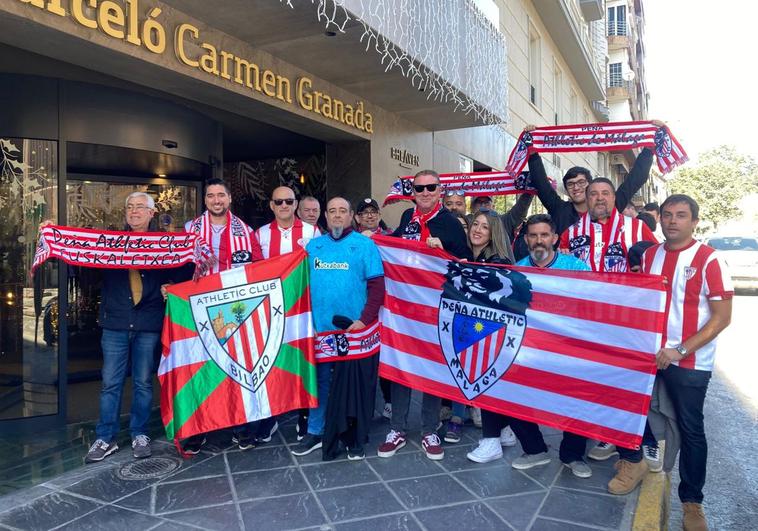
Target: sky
<point>701,71</point>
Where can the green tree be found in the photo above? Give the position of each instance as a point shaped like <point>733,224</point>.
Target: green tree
<point>238,309</point>
<point>721,178</point>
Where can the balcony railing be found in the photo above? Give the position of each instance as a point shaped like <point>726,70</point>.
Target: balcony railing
<point>617,27</point>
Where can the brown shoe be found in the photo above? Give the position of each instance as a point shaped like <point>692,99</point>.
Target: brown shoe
<point>694,517</point>
<point>628,476</point>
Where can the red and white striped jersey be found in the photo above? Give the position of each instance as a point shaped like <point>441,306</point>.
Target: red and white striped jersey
<point>276,241</point>
<point>695,276</point>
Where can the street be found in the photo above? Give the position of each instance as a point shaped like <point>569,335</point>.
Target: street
<point>731,424</point>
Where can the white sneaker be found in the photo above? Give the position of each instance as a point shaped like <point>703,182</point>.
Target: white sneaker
<point>476,416</point>
<point>653,456</point>
<point>387,411</point>
<point>488,450</point>
<point>507,437</point>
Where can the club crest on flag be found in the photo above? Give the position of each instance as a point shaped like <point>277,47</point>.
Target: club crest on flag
<point>482,320</point>
<point>241,328</point>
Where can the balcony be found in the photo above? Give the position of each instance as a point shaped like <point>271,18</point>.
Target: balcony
<point>592,9</point>
<point>569,29</point>
<point>621,90</point>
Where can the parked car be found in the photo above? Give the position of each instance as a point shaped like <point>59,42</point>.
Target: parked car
<point>741,256</point>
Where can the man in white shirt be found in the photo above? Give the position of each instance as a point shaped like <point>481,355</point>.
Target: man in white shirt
<point>286,232</point>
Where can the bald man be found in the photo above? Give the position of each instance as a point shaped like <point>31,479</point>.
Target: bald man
<point>287,232</point>
<point>347,289</point>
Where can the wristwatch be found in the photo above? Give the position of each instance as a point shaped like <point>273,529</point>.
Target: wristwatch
<point>682,350</point>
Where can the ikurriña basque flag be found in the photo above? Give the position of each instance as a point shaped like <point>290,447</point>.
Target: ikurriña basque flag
<point>567,349</point>
<point>238,346</point>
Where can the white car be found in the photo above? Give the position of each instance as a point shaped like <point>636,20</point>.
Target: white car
<point>741,256</point>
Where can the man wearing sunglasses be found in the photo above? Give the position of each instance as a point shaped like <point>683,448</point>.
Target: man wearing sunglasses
<point>287,232</point>
<point>566,213</point>
<point>431,223</point>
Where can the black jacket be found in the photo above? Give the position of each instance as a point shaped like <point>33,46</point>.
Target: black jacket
<point>563,212</point>
<point>118,311</point>
<point>447,228</point>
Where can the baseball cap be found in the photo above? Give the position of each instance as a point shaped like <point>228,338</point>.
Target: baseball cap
<point>365,203</point>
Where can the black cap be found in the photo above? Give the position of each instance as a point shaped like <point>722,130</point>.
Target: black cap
<point>482,199</point>
<point>365,203</point>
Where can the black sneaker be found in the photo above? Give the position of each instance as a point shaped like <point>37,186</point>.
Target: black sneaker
<point>141,447</point>
<point>302,426</point>
<point>243,440</point>
<point>268,433</point>
<point>100,450</point>
<point>307,445</point>
<point>356,454</point>
<point>193,445</point>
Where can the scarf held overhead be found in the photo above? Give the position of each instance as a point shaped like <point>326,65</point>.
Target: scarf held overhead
<point>518,341</point>
<point>611,136</point>
<point>487,183</point>
<point>121,249</point>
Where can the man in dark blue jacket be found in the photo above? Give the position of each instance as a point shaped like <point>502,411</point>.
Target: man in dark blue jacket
<point>131,316</point>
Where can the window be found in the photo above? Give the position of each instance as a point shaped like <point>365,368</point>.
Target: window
<point>534,66</point>
<point>617,20</point>
<point>557,93</point>
<point>615,78</point>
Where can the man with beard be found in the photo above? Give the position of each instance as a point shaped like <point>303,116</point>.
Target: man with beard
<point>575,181</point>
<point>347,290</point>
<point>283,235</point>
<point>602,236</point>
<point>430,223</point>
<point>455,201</point>
<point>541,238</point>
<point>234,245</point>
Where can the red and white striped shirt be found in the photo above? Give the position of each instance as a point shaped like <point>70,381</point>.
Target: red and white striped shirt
<point>696,275</point>
<point>276,241</point>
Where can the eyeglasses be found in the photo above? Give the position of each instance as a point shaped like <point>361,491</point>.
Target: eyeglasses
<point>576,184</point>
<point>369,213</point>
<point>132,208</point>
<point>278,202</point>
<point>420,187</point>
<point>450,193</point>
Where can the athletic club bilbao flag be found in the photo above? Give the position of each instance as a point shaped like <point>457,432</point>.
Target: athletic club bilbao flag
<point>572,350</point>
<point>238,346</point>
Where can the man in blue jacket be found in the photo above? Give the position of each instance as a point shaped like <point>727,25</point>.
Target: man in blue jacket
<point>131,316</point>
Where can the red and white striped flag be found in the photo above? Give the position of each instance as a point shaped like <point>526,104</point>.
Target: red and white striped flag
<point>572,350</point>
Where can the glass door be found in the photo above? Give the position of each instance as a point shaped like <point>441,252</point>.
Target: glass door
<point>99,203</point>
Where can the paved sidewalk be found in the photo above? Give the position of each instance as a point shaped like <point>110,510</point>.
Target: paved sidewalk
<point>268,488</point>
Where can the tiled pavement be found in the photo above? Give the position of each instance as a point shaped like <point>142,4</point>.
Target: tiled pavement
<point>268,488</point>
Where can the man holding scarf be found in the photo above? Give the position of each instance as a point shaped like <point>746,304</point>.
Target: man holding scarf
<point>575,181</point>
<point>234,245</point>
<point>431,223</point>
<point>602,236</point>
<point>347,290</point>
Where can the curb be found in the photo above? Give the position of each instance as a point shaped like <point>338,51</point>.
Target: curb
<point>652,511</point>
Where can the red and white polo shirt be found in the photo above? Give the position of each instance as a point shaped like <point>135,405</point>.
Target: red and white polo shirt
<point>276,241</point>
<point>695,276</point>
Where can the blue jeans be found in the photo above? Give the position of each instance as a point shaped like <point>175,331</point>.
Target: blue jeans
<point>117,346</point>
<point>316,416</point>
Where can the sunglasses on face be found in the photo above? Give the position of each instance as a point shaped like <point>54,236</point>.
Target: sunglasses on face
<point>451,193</point>
<point>278,202</point>
<point>420,187</point>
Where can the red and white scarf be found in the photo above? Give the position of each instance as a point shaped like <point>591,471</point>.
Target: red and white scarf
<point>611,136</point>
<point>109,249</point>
<point>338,345</point>
<point>474,184</point>
<point>584,239</point>
<point>236,247</point>
<point>417,228</point>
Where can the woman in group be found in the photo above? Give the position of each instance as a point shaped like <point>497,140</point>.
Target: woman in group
<point>490,244</point>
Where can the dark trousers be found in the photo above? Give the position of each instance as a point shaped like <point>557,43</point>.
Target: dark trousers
<point>529,435</point>
<point>386,386</point>
<point>401,403</point>
<point>687,389</point>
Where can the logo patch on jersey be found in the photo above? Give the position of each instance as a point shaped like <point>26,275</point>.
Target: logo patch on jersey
<point>481,323</point>
<point>689,272</point>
